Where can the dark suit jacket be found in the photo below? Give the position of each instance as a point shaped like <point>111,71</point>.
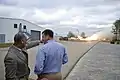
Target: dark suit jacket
<point>16,62</point>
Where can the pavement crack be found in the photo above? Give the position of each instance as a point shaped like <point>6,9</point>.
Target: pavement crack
<point>79,60</point>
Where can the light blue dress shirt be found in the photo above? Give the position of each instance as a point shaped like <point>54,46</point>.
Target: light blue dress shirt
<point>50,58</point>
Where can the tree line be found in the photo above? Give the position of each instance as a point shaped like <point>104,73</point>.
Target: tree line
<point>116,30</point>
<point>71,34</point>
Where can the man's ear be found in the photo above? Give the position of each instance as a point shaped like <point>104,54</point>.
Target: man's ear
<point>22,41</point>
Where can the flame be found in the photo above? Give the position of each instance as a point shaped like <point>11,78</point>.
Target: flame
<point>93,37</point>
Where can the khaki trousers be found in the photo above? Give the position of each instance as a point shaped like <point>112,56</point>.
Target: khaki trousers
<point>51,76</point>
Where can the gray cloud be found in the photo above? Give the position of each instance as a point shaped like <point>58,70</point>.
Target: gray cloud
<point>64,15</point>
<point>57,3</point>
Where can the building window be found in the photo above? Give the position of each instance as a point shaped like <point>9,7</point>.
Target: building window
<point>24,26</point>
<point>15,25</point>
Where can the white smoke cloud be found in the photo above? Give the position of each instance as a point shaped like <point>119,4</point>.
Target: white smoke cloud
<point>104,34</point>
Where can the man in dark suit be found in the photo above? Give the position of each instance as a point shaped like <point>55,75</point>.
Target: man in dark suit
<point>16,60</point>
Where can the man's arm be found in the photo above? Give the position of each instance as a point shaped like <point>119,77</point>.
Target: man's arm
<point>65,57</point>
<point>32,44</point>
<point>10,69</point>
<point>40,58</point>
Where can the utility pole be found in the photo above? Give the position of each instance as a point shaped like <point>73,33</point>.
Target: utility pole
<point>78,31</point>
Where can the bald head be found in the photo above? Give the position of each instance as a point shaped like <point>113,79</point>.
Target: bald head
<point>20,40</point>
<point>19,36</point>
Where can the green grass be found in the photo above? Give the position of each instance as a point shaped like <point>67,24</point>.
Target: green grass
<point>3,45</point>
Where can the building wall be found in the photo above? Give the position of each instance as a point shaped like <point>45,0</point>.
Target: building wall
<point>7,27</point>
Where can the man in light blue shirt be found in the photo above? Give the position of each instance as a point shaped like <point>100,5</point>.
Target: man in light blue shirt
<point>50,58</point>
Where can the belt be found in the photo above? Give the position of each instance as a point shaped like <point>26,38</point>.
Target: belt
<point>49,73</point>
<point>51,76</point>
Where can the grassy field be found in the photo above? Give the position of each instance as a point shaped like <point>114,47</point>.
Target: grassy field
<point>3,45</point>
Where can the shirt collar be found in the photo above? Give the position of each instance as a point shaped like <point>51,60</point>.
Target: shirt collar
<point>50,41</point>
<point>17,48</point>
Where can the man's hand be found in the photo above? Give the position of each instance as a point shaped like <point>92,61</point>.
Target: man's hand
<point>31,79</point>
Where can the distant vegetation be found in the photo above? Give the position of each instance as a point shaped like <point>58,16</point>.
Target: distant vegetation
<point>116,31</point>
<point>83,35</point>
<point>3,45</point>
<point>70,34</point>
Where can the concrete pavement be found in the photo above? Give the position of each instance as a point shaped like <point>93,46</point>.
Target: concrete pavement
<point>74,49</point>
<point>100,63</point>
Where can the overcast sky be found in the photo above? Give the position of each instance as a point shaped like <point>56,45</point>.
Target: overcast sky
<point>62,16</point>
